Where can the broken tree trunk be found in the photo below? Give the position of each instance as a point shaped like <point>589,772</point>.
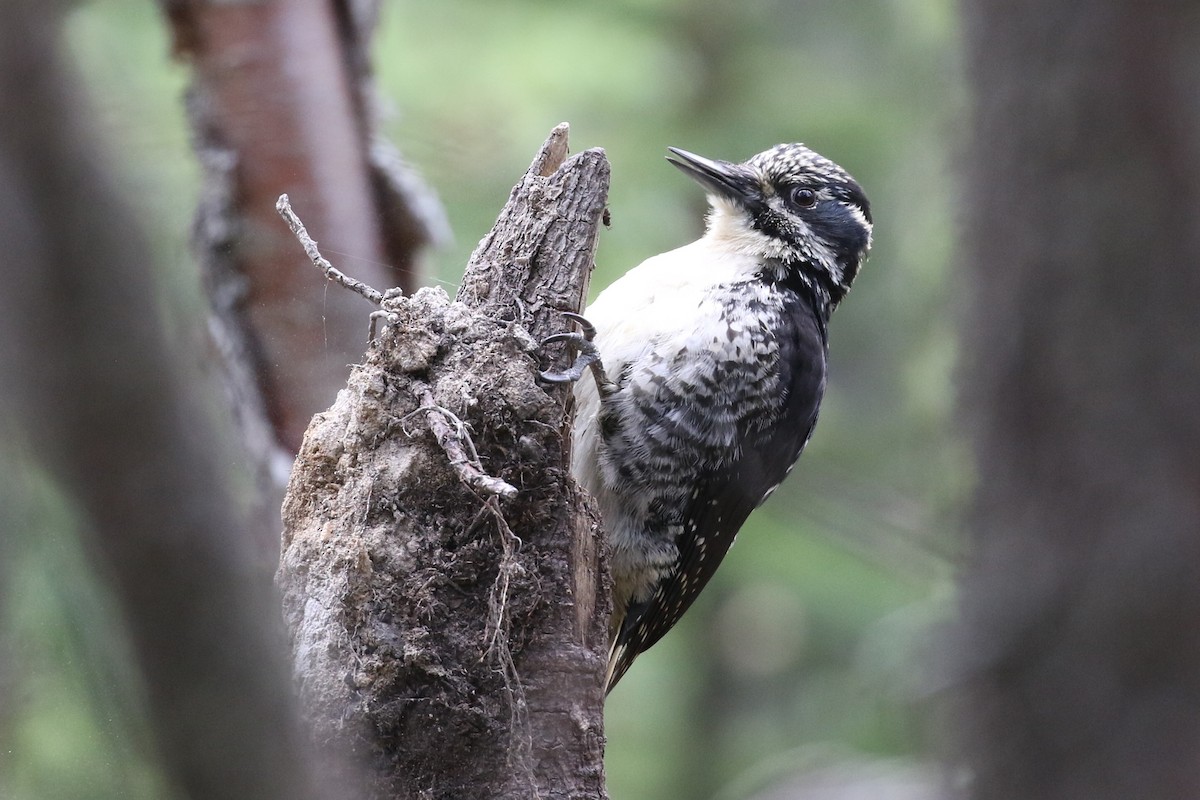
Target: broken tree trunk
<point>442,575</point>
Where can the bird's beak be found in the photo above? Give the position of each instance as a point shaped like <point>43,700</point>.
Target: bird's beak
<point>732,181</point>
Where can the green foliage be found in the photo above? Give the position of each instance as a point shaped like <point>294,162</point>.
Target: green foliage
<point>815,632</point>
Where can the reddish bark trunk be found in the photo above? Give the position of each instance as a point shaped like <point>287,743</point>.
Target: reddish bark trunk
<point>281,103</point>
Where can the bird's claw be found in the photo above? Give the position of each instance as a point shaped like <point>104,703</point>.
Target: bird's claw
<point>579,340</point>
<point>587,329</point>
<point>588,354</point>
<point>575,371</point>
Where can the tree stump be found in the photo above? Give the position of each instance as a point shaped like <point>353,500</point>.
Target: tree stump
<point>443,578</point>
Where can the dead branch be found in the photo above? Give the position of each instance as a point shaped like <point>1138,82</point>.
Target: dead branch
<point>455,441</point>
<point>284,207</point>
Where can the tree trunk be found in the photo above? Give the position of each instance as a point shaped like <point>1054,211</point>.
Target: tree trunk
<point>282,101</point>
<point>103,407</point>
<point>1081,653</point>
<point>451,634</point>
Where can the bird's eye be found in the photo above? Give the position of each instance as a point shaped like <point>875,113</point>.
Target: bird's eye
<point>802,196</point>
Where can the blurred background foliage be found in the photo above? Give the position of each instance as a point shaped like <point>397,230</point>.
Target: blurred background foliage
<point>814,642</point>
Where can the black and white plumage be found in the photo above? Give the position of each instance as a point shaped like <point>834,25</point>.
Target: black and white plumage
<point>713,371</point>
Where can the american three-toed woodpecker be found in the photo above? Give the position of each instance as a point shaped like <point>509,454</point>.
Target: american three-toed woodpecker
<point>709,366</point>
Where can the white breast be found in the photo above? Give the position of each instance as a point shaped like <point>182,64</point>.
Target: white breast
<point>663,302</point>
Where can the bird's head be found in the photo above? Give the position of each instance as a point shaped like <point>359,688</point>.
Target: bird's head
<point>799,212</point>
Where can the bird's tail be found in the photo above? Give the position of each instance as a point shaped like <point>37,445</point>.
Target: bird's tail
<point>616,655</point>
<point>620,656</point>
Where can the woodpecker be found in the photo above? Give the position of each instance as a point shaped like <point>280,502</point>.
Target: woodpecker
<point>708,367</point>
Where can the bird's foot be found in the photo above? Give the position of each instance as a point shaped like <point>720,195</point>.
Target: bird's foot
<point>579,341</point>
<point>588,356</point>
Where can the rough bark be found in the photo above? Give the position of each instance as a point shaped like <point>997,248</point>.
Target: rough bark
<point>451,638</point>
<point>1081,656</point>
<point>282,101</point>
<point>111,414</point>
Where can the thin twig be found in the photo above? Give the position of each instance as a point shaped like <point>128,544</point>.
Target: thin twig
<point>284,207</point>
<point>451,439</point>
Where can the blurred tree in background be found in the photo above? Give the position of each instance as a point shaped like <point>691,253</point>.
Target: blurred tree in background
<point>106,431</point>
<point>1080,649</point>
<point>811,646</point>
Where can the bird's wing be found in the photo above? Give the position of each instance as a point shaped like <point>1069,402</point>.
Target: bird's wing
<point>725,496</point>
